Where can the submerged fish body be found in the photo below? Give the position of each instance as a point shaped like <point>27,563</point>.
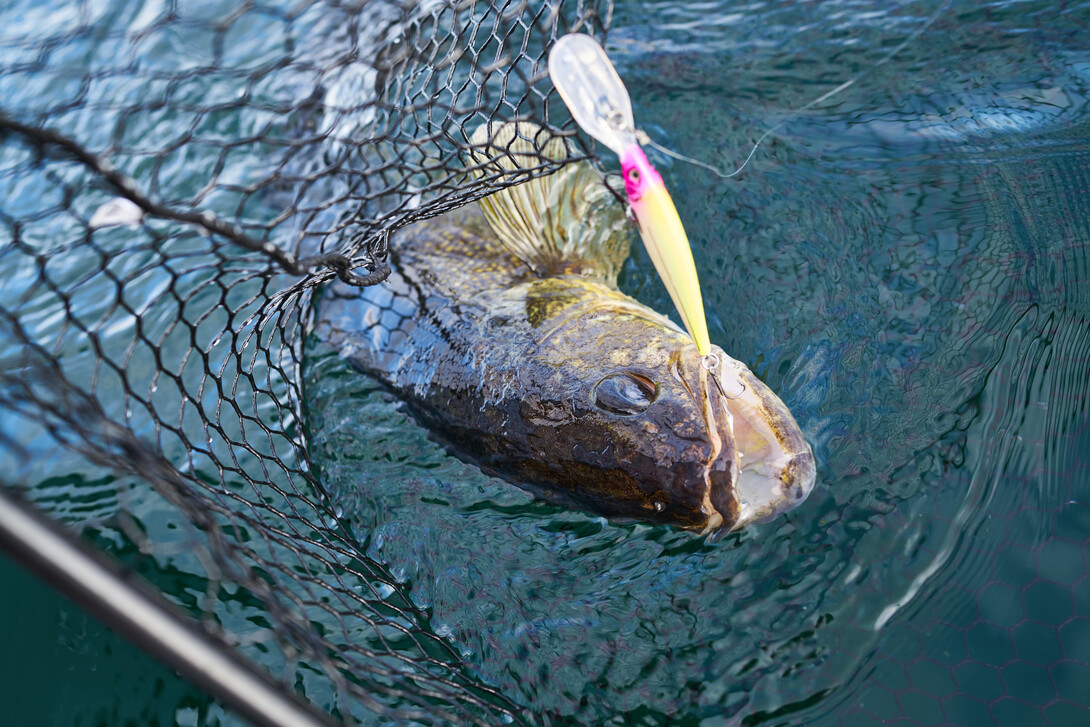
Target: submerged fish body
<point>521,355</point>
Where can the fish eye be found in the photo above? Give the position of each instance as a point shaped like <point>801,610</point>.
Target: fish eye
<point>625,393</point>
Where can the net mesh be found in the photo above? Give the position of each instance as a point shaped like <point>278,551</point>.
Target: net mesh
<point>175,181</point>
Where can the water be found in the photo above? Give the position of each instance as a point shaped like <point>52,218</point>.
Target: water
<point>61,667</point>
<point>908,265</point>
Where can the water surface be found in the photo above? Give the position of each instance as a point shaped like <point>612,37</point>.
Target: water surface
<point>906,263</point>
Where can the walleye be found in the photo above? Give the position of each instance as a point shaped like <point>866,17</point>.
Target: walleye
<point>503,330</point>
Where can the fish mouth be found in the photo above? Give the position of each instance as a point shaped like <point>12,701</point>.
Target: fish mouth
<point>776,467</point>
<point>765,493</point>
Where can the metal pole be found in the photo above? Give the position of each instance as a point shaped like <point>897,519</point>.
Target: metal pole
<point>142,616</point>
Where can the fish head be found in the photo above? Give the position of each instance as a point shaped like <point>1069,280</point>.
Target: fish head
<point>659,432</point>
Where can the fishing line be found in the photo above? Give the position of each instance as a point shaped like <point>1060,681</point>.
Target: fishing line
<point>793,114</point>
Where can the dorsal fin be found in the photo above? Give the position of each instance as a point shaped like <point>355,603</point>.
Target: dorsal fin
<point>566,222</point>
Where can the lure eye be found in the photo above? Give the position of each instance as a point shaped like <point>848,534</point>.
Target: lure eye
<point>626,394</point>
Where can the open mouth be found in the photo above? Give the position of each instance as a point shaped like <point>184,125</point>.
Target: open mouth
<point>760,466</point>
<point>776,468</point>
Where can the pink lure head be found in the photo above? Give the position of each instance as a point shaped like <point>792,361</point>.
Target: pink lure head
<point>638,173</point>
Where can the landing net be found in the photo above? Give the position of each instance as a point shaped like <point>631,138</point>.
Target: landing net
<point>175,182</point>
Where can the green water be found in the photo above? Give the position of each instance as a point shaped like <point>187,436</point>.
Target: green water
<point>62,667</point>
<point>907,264</point>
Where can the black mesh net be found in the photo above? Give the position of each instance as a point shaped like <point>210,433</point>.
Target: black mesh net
<point>174,183</point>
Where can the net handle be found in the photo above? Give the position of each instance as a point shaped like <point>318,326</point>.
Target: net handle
<point>129,607</point>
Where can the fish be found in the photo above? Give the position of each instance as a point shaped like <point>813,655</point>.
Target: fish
<point>502,329</point>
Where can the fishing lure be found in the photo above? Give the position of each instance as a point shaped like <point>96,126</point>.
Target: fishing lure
<point>599,102</point>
